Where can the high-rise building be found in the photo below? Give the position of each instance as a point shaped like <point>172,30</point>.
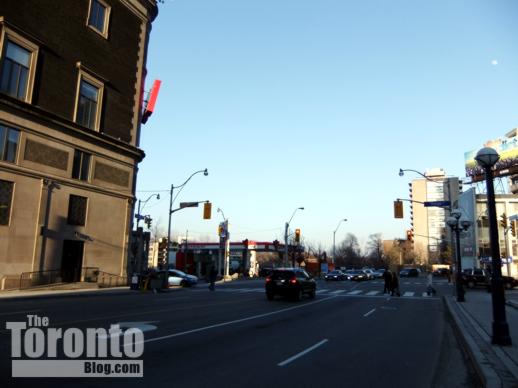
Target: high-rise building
<point>71,80</point>
<point>431,235</point>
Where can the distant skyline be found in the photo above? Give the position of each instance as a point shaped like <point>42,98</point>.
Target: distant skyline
<point>318,104</point>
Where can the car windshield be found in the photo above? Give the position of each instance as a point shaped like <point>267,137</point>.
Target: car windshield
<point>358,272</point>
<point>176,272</point>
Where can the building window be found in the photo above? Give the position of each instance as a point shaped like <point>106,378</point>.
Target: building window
<point>6,196</point>
<point>9,139</point>
<point>89,101</point>
<point>77,210</point>
<point>17,65</point>
<point>81,166</point>
<point>99,16</point>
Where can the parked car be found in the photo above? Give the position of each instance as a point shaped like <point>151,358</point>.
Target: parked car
<point>290,282</point>
<point>409,273</point>
<point>357,275</point>
<point>370,273</point>
<point>473,277</point>
<point>335,275</point>
<point>179,278</point>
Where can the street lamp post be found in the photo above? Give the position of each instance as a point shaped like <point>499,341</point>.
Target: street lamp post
<point>457,226</point>
<point>334,235</point>
<point>166,261</point>
<point>286,236</point>
<point>224,264</point>
<point>144,202</point>
<point>487,158</point>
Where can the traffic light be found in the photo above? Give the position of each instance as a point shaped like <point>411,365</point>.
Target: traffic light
<point>245,243</point>
<point>148,220</point>
<point>503,221</point>
<point>398,209</point>
<point>297,235</point>
<point>207,210</point>
<point>513,228</point>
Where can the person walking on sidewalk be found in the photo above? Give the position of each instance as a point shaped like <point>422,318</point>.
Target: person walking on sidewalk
<point>213,274</point>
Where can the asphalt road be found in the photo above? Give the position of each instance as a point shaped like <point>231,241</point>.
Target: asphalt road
<point>350,335</point>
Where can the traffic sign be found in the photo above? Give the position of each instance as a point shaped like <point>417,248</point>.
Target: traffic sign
<point>188,204</point>
<point>437,203</point>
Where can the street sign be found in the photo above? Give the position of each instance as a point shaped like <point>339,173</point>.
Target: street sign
<point>437,203</point>
<point>139,217</point>
<point>188,204</point>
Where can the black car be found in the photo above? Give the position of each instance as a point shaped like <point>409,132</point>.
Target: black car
<point>357,275</point>
<point>291,282</point>
<point>335,275</point>
<point>408,273</point>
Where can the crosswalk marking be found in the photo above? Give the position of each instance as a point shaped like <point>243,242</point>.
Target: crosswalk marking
<point>327,291</point>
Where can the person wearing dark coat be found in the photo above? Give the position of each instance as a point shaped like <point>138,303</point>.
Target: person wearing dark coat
<point>213,274</point>
<point>387,276</point>
<point>395,285</point>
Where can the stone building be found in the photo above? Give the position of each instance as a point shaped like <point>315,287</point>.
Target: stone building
<point>71,85</point>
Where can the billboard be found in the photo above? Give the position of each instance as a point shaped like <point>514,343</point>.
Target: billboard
<point>507,148</point>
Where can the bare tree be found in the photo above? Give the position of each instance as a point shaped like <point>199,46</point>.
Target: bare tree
<point>348,253</point>
<point>375,249</point>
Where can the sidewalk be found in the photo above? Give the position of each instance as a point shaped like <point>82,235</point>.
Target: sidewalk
<point>496,366</point>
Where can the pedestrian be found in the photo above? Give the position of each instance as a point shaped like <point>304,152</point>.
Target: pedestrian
<point>395,285</point>
<point>429,284</point>
<point>213,274</point>
<point>387,276</point>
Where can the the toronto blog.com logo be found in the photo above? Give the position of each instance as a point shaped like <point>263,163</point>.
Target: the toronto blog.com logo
<point>38,350</point>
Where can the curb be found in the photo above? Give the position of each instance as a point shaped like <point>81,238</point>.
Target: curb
<point>486,374</point>
<point>60,293</point>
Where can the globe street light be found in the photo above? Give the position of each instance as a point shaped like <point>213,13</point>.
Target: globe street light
<point>487,158</point>
<point>205,172</point>
<point>139,216</point>
<point>457,226</point>
<point>334,234</point>
<point>286,236</point>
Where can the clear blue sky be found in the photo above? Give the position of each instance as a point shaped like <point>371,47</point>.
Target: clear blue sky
<point>318,104</point>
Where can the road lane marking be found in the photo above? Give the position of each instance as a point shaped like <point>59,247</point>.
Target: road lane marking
<point>204,328</point>
<point>293,358</point>
<point>355,292</point>
<point>322,291</point>
<point>337,292</point>
<point>369,313</point>
<point>370,293</point>
<point>409,293</point>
